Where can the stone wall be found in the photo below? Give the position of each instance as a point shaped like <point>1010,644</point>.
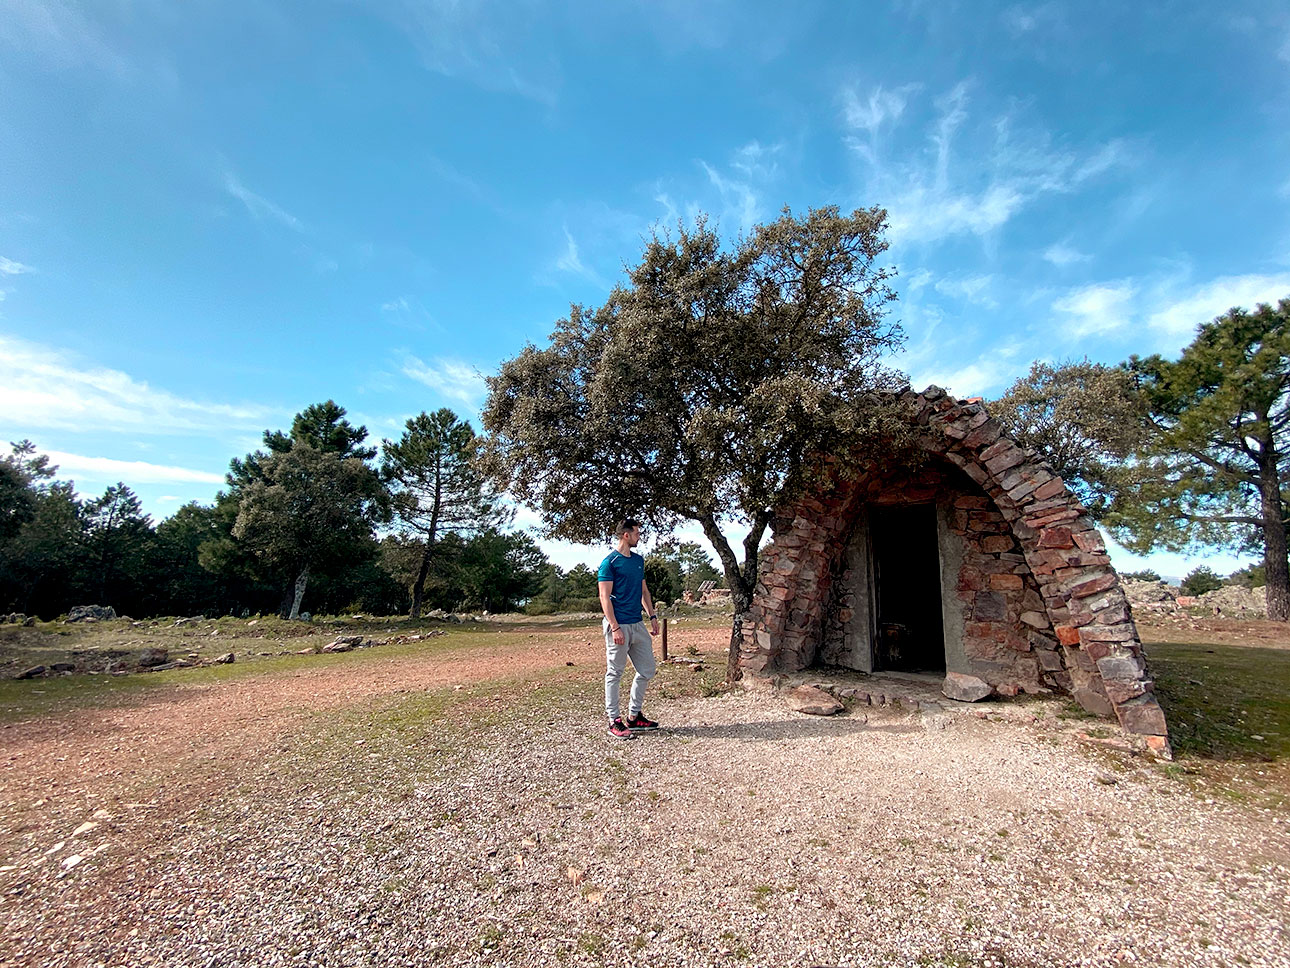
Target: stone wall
<point>1030,603</point>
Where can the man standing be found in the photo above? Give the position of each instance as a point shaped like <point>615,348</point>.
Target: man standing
<point>622,594</point>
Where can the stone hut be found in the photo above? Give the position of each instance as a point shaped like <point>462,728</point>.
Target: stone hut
<point>978,563</point>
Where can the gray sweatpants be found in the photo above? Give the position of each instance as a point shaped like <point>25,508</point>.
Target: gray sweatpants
<point>637,646</point>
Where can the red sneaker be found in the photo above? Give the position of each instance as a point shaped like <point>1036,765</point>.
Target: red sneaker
<point>639,723</point>
<point>619,731</point>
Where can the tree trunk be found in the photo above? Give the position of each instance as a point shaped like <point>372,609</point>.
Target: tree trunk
<point>741,599</point>
<point>301,582</point>
<point>1275,564</point>
<point>284,603</point>
<point>418,589</point>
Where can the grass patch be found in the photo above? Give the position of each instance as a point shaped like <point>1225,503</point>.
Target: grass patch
<point>1218,698</point>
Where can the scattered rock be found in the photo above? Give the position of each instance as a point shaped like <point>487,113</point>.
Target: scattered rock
<point>84,828</point>
<point>29,622</point>
<point>965,688</point>
<point>344,643</point>
<point>62,667</point>
<point>166,666</point>
<point>225,659</point>
<point>153,657</point>
<point>96,612</point>
<point>815,702</point>
<point>189,621</point>
<point>31,673</point>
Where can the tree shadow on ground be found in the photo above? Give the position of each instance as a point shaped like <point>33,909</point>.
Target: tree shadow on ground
<point>786,729</point>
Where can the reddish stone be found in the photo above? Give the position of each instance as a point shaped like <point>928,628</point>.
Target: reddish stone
<point>1056,538</point>
<point>1017,643</point>
<point>1067,635</point>
<point>972,503</point>
<point>780,594</point>
<point>1051,489</point>
<point>1005,582</point>
<point>997,448</point>
<point>1113,615</point>
<point>1087,588</point>
<point>1097,650</point>
<point>1090,541</point>
<point>979,630</point>
<point>996,543</point>
<point>1107,633</point>
<point>1007,689</point>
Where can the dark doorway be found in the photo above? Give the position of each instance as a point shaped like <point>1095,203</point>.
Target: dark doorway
<point>907,582</point>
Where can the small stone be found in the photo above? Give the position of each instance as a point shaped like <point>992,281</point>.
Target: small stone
<point>152,657</point>
<point>84,828</point>
<point>224,659</point>
<point>964,688</point>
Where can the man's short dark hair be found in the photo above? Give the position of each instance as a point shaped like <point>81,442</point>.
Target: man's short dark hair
<point>625,525</point>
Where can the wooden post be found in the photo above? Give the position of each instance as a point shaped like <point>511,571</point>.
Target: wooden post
<point>664,639</point>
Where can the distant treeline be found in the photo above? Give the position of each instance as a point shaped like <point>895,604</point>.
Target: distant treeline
<point>314,521</point>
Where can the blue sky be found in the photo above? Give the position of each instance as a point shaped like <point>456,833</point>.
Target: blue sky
<point>213,214</point>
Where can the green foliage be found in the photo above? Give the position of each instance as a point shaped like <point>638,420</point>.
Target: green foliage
<point>690,565</point>
<point>1083,418</point>
<point>705,388</point>
<point>309,510</point>
<point>1251,576</point>
<point>1146,574</point>
<point>437,486</point>
<point>1200,580</point>
<point>663,583</point>
<point>1211,470</point>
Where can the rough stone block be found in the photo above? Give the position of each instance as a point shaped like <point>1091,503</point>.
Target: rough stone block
<point>1010,458</point>
<point>984,435</point>
<point>1106,633</point>
<point>1050,490</point>
<point>1056,537</point>
<point>989,607</point>
<point>964,688</point>
<point>1006,582</point>
<point>1067,635</point>
<point>1120,691</point>
<point>1143,716</point>
<point>1089,540</point>
<point>1049,660</point>
<point>1128,667</point>
<point>996,543</point>
<point>1092,587</point>
<point>1036,620</point>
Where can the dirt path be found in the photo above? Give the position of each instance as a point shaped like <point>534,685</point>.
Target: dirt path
<point>192,735</point>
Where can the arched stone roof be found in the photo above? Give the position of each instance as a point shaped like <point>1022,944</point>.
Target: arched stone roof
<point>1070,628</point>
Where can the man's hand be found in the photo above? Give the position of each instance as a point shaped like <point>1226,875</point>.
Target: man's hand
<point>619,636</point>
<point>653,626</point>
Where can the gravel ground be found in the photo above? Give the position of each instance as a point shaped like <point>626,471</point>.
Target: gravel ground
<point>495,824</point>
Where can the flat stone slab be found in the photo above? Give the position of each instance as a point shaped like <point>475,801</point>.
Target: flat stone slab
<point>814,701</point>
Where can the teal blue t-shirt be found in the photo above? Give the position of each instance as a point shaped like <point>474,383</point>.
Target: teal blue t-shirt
<point>627,572</point>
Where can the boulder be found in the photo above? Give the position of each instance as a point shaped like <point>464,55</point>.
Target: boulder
<point>226,658</point>
<point>31,673</point>
<point>815,701</point>
<point>965,688</point>
<point>97,612</point>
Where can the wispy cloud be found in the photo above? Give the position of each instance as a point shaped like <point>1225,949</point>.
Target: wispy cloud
<point>129,471</point>
<point>59,32</point>
<point>1025,19</point>
<point>454,379</point>
<point>570,261</point>
<point>969,288</point>
<point>744,181</point>
<point>1174,315</point>
<point>871,112</point>
<point>10,268</point>
<point>944,191</point>
<point>1169,307</point>
<point>1095,309</point>
<point>258,206</point>
<point>485,44</point>
<point>45,388</point>
<point>1061,254</point>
